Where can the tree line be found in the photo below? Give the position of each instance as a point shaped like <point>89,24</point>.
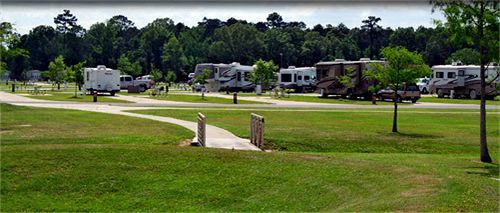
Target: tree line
<point>174,48</point>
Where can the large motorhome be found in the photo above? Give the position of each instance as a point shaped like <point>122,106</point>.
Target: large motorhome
<point>458,80</point>
<point>102,79</point>
<point>232,77</point>
<point>298,78</point>
<point>328,74</point>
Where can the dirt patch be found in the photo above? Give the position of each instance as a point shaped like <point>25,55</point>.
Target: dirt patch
<point>6,131</point>
<point>24,125</point>
<point>186,142</point>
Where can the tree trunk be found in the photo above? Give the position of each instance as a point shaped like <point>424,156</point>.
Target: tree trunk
<point>485,156</point>
<point>58,86</point>
<point>395,118</point>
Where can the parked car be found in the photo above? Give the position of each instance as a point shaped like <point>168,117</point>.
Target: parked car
<point>127,80</point>
<point>408,93</point>
<point>423,85</point>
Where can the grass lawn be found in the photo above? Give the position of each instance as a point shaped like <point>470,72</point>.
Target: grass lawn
<point>24,125</point>
<point>64,160</point>
<point>59,96</point>
<point>197,99</point>
<point>421,131</point>
<point>496,101</point>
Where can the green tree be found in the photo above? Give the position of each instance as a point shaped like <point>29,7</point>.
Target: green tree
<point>57,71</point>
<point>171,77</point>
<point>78,70</point>
<point>173,56</point>
<point>403,67</point>
<point>156,74</point>
<point>313,49</point>
<point>127,67</point>
<point>152,39</point>
<point>237,43</point>
<point>102,40</point>
<point>477,23</point>
<point>13,57</point>
<point>466,56</point>
<point>263,73</point>
<point>373,29</point>
<point>69,37</point>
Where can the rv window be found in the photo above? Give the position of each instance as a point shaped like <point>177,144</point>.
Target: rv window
<point>306,78</point>
<point>216,70</point>
<point>294,78</point>
<point>127,78</point>
<point>238,76</point>
<point>87,76</point>
<point>439,74</point>
<point>412,88</point>
<point>300,78</point>
<point>247,76</point>
<point>452,74</point>
<point>286,77</point>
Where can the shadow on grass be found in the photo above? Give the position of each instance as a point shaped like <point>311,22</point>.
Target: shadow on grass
<point>491,170</point>
<point>409,135</point>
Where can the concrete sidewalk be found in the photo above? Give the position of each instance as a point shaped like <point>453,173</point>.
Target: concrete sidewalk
<point>216,137</point>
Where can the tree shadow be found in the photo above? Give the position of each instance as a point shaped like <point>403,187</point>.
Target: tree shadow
<point>409,135</point>
<point>491,170</point>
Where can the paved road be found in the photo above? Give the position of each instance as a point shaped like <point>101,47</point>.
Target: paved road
<point>147,102</point>
<point>216,137</point>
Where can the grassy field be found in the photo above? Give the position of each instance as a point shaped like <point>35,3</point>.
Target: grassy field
<point>496,101</point>
<point>197,99</point>
<point>421,131</point>
<point>79,168</point>
<point>60,96</point>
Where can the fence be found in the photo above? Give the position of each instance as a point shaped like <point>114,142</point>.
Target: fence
<point>257,130</point>
<point>201,133</point>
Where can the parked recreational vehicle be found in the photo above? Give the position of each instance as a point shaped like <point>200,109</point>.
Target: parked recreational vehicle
<point>463,81</point>
<point>102,79</point>
<point>233,77</point>
<point>298,78</point>
<point>328,73</point>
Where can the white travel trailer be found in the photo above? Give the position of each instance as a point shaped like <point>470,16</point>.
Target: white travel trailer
<point>298,78</point>
<point>233,77</point>
<point>463,81</point>
<point>102,79</point>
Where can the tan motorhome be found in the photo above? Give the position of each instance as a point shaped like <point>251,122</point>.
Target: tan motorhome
<point>328,73</point>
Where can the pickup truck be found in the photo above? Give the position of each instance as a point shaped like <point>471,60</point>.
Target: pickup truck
<point>409,93</point>
<point>127,80</point>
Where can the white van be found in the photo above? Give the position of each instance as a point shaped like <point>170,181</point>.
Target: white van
<point>102,79</point>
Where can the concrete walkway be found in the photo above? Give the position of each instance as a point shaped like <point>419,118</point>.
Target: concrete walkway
<point>216,137</point>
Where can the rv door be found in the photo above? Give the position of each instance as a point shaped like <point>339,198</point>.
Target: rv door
<point>461,78</point>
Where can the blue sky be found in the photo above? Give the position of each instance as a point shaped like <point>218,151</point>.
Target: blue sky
<point>26,16</point>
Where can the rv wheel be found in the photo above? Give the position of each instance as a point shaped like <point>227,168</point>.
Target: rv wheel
<point>440,93</point>
<point>414,100</point>
<point>112,93</point>
<point>473,94</point>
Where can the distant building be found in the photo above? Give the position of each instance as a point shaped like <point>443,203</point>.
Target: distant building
<point>33,75</point>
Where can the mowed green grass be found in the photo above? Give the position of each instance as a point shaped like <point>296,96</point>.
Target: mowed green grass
<point>198,99</point>
<point>25,125</point>
<point>104,168</point>
<point>446,100</point>
<point>420,131</point>
<point>60,96</point>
